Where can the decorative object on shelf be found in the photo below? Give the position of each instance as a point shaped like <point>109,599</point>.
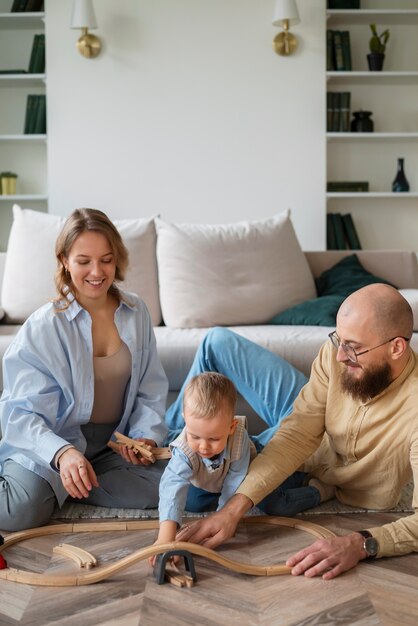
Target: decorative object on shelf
<point>377,45</point>
<point>8,183</point>
<point>84,17</point>
<point>285,14</point>
<point>362,123</point>
<point>400,183</point>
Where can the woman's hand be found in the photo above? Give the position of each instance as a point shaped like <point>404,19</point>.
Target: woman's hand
<point>77,474</point>
<point>134,456</point>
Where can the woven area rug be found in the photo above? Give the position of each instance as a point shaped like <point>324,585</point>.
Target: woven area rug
<point>84,511</point>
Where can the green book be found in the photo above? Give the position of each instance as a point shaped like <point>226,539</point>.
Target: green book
<point>30,105</point>
<point>339,231</point>
<point>34,6</point>
<point>39,60</point>
<point>344,120</point>
<point>336,113</point>
<point>33,54</point>
<point>330,110</point>
<point>18,6</point>
<point>338,50</point>
<point>348,186</point>
<point>331,240</point>
<point>40,118</point>
<point>330,52</point>
<point>345,42</point>
<point>13,72</point>
<point>351,232</point>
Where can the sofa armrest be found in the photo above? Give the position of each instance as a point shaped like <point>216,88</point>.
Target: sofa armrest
<point>399,267</point>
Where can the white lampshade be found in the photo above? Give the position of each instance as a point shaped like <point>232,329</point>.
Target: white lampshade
<point>83,14</point>
<point>285,10</point>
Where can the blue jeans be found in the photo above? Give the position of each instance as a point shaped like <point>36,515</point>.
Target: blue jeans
<point>270,385</point>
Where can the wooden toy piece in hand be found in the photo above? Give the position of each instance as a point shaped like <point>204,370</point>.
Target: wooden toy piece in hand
<point>148,452</point>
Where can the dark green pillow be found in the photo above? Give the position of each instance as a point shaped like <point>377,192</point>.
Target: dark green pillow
<point>316,312</point>
<point>346,277</point>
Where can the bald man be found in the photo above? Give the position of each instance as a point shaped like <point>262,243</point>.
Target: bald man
<point>353,428</point>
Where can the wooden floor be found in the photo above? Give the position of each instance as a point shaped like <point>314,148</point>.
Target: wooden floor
<point>381,592</point>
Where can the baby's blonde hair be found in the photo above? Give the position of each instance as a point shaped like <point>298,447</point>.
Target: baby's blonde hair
<point>206,393</point>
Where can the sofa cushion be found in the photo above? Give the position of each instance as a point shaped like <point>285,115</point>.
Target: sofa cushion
<point>317,312</point>
<point>411,295</point>
<point>227,274</point>
<point>346,277</point>
<point>30,263</point>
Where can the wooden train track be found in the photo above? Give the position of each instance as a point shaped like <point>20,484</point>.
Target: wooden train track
<point>91,574</point>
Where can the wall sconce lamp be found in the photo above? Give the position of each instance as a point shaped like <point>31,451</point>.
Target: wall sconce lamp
<point>84,17</point>
<point>285,15</point>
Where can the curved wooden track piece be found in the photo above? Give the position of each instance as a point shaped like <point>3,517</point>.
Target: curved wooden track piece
<point>105,571</point>
<point>80,556</point>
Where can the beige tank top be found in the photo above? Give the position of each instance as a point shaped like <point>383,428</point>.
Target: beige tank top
<point>111,376</point>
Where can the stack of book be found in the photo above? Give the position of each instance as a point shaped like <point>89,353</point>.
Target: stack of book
<point>338,111</point>
<point>37,55</point>
<point>28,6</point>
<point>338,51</point>
<point>35,119</point>
<point>341,232</point>
<point>348,186</point>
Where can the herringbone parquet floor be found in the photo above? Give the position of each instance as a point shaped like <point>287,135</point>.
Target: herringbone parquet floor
<point>381,592</point>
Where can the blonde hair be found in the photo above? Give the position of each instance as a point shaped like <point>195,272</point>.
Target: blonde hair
<point>80,221</point>
<point>206,393</point>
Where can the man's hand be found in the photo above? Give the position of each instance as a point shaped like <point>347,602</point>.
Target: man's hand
<point>133,456</point>
<point>77,474</point>
<point>213,530</point>
<point>328,557</point>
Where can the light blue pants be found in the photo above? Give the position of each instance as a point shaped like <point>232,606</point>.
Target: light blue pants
<point>270,385</point>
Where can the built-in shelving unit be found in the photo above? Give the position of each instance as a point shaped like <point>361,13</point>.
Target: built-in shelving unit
<point>24,154</point>
<point>391,95</point>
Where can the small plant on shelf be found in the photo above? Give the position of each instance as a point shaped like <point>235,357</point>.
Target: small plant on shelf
<point>377,45</point>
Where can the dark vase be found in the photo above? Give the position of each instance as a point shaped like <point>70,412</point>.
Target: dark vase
<point>375,61</point>
<point>362,122</point>
<point>400,183</point>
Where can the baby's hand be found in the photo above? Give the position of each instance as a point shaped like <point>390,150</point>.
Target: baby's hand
<point>174,559</point>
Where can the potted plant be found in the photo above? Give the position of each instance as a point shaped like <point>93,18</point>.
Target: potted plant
<point>377,45</point>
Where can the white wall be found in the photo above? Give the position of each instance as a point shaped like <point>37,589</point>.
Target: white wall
<point>188,113</point>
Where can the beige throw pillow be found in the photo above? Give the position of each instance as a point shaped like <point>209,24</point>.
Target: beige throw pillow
<point>30,262</point>
<point>230,274</point>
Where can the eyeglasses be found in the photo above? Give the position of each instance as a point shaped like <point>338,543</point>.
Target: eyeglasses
<point>350,353</point>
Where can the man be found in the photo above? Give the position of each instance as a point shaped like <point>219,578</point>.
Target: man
<point>355,427</point>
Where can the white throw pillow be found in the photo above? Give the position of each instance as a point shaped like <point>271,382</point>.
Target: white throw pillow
<point>411,295</point>
<point>230,274</point>
<point>30,262</point>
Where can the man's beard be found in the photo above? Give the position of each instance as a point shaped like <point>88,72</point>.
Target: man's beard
<point>374,381</point>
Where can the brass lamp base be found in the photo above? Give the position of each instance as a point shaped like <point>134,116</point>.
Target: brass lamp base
<point>285,43</point>
<point>89,45</point>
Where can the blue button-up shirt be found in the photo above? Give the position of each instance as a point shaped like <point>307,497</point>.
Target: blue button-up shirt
<point>49,385</point>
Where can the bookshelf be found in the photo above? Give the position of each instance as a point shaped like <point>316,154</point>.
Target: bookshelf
<point>390,94</point>
<point>24,154</point>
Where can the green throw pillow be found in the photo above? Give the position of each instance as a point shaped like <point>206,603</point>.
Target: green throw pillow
<point>346,277</point>
<point>316,312</point>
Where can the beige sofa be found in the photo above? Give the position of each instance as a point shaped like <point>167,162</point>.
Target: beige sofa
<point>197,276</point>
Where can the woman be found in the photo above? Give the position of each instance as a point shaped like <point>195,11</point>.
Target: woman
<point>80,368</point>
